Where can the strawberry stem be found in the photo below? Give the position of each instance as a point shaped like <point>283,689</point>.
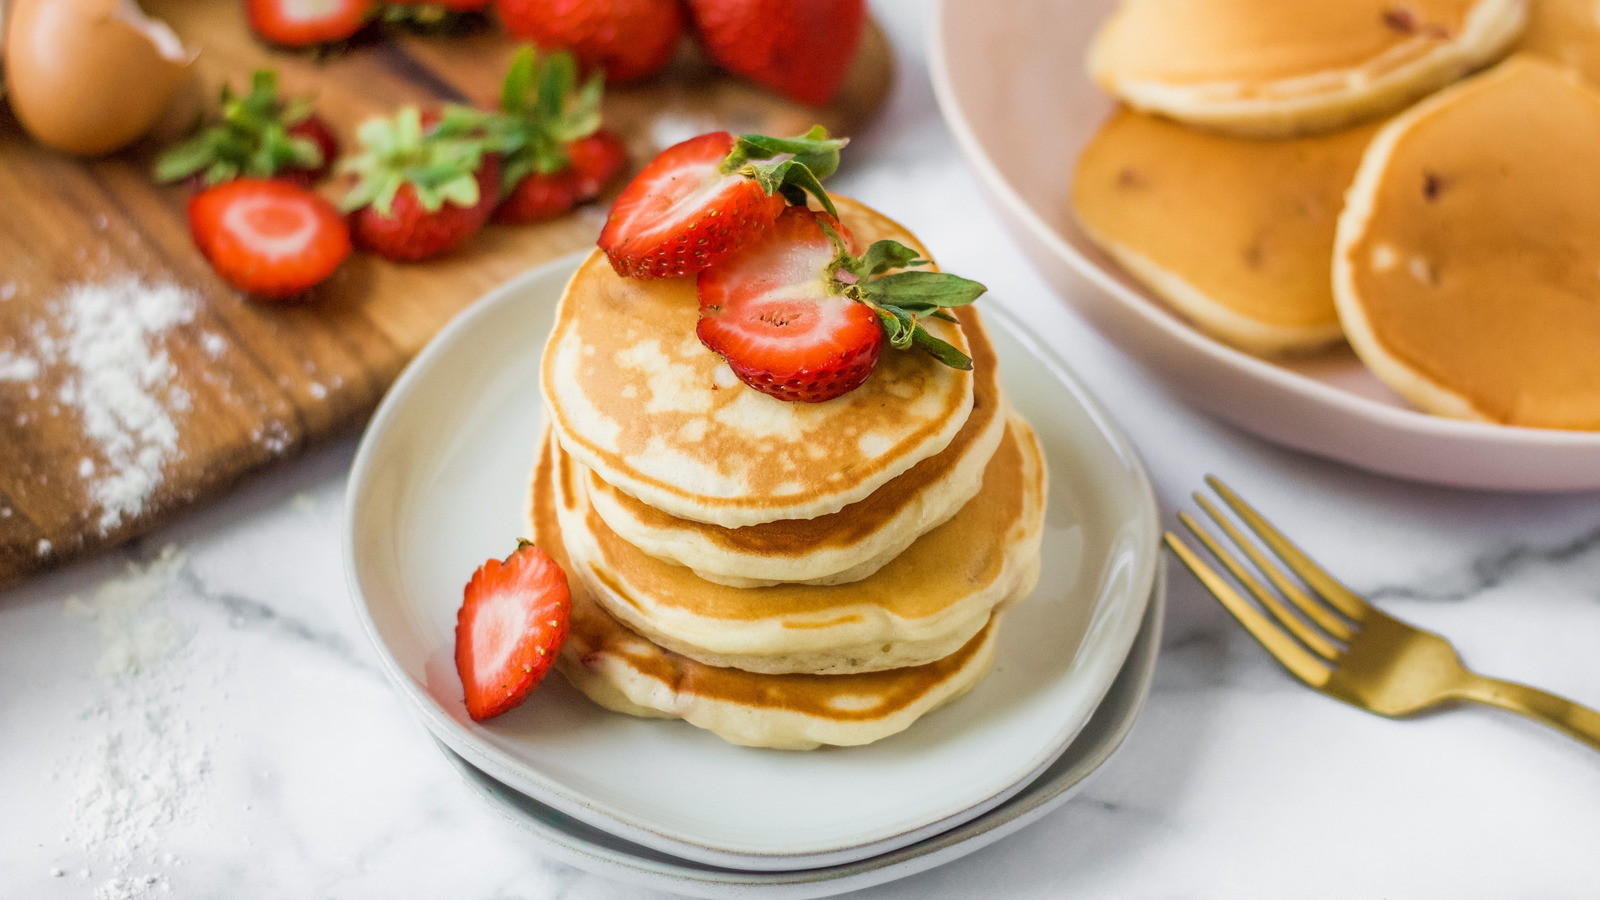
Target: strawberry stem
<point>251,138</point>
<point>901,298</point>
<point>793,166</point>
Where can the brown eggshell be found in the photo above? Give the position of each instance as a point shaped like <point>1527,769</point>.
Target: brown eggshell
<point>84,76</point>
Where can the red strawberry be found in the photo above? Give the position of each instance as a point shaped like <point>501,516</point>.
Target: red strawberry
<point>421,192</point>
<point>769,311</point>
<point>513,620</point>
<point>681,214</point>
<point>268,237</point>
<point>596,160</point>
<point>313,129</point>
<point>592,161</point>
<point>258,134</point>
<point>305,23</point>
<point>537,198</point>
<point>630,39</point>
<point>800,48</point>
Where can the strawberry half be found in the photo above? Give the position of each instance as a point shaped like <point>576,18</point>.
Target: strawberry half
<point>421,191</point>
<point>769,312</point>
<point>701,200</point>
<point>259,135</point>
<point>513,620</point>
<point>800,48</point>
<point>268,237</point>
<point>307,23</point>
<point>799,316</point>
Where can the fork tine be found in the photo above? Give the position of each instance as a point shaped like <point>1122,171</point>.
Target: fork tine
<point>1299,629</point>
<point>1342,598</point>
<point>1295,658</point>
<point>1314,610</point>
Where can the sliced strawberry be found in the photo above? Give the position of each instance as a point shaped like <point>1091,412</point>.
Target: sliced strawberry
<point>800,48</point>
<point>258,134</point>
<point>769,311</point>
<point>307,23</point>
<point>701,200</point>
<point>513,620</point>
<point>268,237</point>
<point>427,182</point>
<point>629,39</point>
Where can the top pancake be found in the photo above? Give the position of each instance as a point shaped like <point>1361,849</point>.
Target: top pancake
<point>635,396</point>
<point>1467,264</point>
<point>1566,32</point>
<point>839,547</point>
<point>1277,67</point>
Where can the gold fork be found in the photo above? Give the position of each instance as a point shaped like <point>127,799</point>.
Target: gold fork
<point>1344,646</point>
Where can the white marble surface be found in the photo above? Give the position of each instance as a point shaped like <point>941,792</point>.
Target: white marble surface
<point>217,725</point>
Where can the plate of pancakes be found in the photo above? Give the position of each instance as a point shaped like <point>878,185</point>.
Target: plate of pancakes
<point>1369,230</point>
<point>802,635</point>
<point>603,853</point>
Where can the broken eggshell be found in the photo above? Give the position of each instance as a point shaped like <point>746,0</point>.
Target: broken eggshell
<point>89,76</point>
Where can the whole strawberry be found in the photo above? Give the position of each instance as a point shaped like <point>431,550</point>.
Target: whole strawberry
<point>421,191</point>
<point>799,48</point>
<point>554,154</point>
<point>629,39</point>
<point>256,135</point>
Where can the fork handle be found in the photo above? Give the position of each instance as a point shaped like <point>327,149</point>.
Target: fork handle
<point>1543,707</point>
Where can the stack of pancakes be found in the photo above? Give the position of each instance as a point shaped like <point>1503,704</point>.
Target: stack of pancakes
<point>1269,181</point>
<point>782,574</point>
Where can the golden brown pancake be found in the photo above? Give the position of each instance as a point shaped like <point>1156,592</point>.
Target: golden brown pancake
<point>623,672</point>
<point>840,547</point>
<point>1565,32</point>
<point>635,396</point>
<point>1467,267</point>
<point>1234,233</point>
<point>928,601</point>
<point>1280,67</point>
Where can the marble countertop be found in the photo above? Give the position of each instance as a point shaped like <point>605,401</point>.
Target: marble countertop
<point>198,713</point>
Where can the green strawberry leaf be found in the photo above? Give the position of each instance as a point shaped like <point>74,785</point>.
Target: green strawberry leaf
<point>940,350</point>
<point>931,289</point>
<point>794,167</point>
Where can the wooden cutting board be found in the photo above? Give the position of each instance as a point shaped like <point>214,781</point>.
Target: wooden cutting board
<point>116,413</point>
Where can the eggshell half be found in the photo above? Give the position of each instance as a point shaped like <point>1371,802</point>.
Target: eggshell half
<point>89,76</point>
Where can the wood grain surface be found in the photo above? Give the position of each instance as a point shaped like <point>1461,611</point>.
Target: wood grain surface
<point>250,383</point>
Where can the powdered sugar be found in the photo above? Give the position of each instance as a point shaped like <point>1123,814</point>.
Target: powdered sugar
<point>145,769</point>
<point>120,380</point>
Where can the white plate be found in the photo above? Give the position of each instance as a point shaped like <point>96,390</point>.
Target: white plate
<point>1014,91</point>
<point>595,851</point>
<point>437,488</point>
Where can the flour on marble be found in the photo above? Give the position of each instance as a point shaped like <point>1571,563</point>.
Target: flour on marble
<point>109,338</point>
<point>144,768</point>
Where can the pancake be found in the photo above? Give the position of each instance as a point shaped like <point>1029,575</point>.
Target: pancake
<point>840,547</point>
<point>635,396</point>
<point>623,672</point>
<point>923,605</point>
<point>1565,32</point>
<point>1467,266</point>
<point>1234,233</point>
<point>1280,67</point>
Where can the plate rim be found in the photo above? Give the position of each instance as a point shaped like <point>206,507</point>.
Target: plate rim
<point>1158,318</point>
<point>959,841</point>
<point>557,795</point>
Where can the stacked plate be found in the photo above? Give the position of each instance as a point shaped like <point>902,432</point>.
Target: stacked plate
<point>439,486</point>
